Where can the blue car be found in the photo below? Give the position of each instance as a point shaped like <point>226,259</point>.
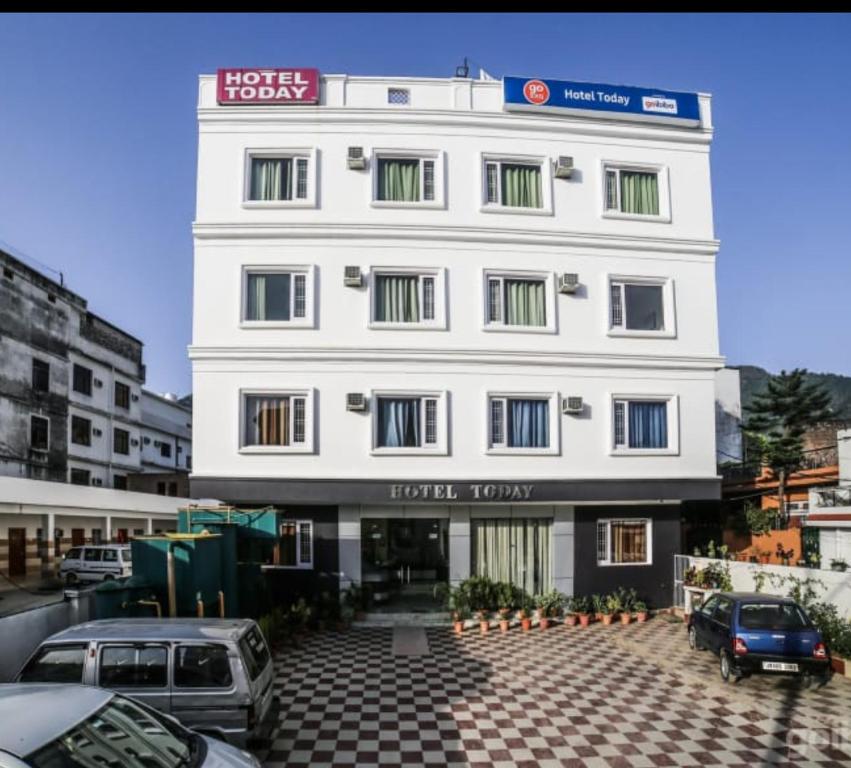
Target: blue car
<point>752,632</point>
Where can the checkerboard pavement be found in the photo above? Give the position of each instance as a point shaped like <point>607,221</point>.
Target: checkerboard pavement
<point>598,696</point>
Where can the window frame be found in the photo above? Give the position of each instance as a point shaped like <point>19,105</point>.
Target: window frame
<point>273,153</point>
<point>72,470</point>
<point>439,448</point>
<point>503,449</point>
<point>668,306</point>
<point>672,418</point>
<point>440,299</point>
<point>545,163</point>
<point>438,156</point>
<point>549,279</point>
<point>309,418</point>
<point>120,386</point>
<point>200,644</point>
<point>91,377</point>
<point>300,565</point>
<point>663,183</point>
<point>71,430</point>
<point>44,418</point>
<point>115,431</point>
<point>607,521</point>
<point>42,367</point>
<point>136,647</point>
<point>308,270</point>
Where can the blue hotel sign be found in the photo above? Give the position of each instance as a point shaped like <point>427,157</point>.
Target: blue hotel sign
<point>617,102</point>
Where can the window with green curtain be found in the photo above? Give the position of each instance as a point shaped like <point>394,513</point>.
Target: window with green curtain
<point>397,299</point>
<point>399,179</point>
<point>518,551</point>
<point>268,296</point>
<point>525,302</point>
<point>521,185</point>
<point>640,192</point>
<point>271,178</point>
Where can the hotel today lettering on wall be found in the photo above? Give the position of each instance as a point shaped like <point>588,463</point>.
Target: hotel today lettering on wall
<point>268,86</point>
<point>461,492</point>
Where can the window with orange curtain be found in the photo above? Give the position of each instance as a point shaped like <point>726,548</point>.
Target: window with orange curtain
<point>274,420</point>
<point>623,542</point>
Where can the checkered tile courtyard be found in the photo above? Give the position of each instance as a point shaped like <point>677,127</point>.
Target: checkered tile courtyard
<point>568,696</point>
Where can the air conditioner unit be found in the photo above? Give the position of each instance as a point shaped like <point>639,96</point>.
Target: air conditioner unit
<point>355,401</point>
<point>355,160</point>
<point>146,440</point>
<point>134,442</point>
<point>352,277</point>
<point>98,383</point>
<point>564,167</point>
<point>571,405</point>
<point>134,398</point>
<point>568,282</point>
<point>97,481</point>
<point>97,432</point>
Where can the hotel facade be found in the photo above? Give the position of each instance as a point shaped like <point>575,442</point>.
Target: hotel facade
<point>456,326</point>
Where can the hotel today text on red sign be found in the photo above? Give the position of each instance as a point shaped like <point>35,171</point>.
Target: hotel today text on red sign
<point>268,86</point>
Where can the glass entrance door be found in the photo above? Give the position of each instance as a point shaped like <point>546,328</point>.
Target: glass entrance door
<point>402,560</point>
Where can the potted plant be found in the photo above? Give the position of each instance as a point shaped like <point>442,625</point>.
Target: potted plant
<point>548,605</point>
<point>581,606</point>
<point>640,611</point>
<point>570,615</point>
<point>483,618</point>
<point>610,606</point>
<point>525,613</point>
<point>458,605</point>
<point>354,598</point>
<point>838,564</point>
<point>626,600</point>
<point>597,602</point>
<point>505,600</point>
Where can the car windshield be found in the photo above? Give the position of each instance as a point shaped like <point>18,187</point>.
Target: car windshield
<point>126,555</point>
<point>121,734</point>
<point>772,616</point>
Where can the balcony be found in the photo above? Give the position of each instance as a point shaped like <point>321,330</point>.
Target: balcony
<point>830,498</point>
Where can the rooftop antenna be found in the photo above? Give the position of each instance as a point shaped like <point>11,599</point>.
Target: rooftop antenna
<point>463,70</point>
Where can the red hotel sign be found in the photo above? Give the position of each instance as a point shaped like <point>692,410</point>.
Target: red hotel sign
<point>268,86</point>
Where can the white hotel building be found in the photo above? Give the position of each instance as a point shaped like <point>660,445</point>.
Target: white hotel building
<point>447,336</point>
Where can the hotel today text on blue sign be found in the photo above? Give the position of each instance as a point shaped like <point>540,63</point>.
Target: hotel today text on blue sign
<point>622,102</point>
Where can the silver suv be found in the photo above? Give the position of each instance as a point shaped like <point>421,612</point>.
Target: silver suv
<point>98,562</point>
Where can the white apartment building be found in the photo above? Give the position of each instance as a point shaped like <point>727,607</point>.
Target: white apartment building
<point>166,434</point>
<point>455,326</point>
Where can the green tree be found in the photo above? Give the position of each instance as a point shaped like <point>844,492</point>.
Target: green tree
<point>777,419</point>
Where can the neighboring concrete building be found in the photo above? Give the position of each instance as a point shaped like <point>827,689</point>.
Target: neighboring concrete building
<point>457,326</point>
<point>830,509</point>
<point>728,417</point>
<point>39,521</point>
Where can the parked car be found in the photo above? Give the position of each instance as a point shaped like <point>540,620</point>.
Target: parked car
<point>76,726</point>
<point>95,563</point>
<point>757,633</point>
<point>214,675</point>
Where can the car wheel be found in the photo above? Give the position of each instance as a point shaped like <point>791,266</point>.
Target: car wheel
<point>70,579</point>
<point>725,666</point>
<point>693,642</point>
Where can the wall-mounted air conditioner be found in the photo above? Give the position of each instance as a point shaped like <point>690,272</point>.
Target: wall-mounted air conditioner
<point>568,282</point>
<point>134,398</point>
<point>352,277</point>
<point>134,442</point>
<point>564,167</point>
<point>97,432</point>
<point>355,401</point>
<point>571,405</point>
<point>146,440</point>
<point>97,481</point>
<point>355,159</point>
<point>98,383</point>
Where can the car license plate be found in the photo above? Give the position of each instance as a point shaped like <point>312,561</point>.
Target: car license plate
<point>779,666</point>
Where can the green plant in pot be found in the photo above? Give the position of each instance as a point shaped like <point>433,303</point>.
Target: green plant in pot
<point>611,606</point>
<point>524,613</point>
<point>355,598</point>
<point>548,605</point>
<point>626,599</point>
<point>506,599</point>
<point>640,609</point>
<point>597,604</point>
<point>458,605</point>
<point>581,607</point>
<point>570,612</point>
<point>838,564</point>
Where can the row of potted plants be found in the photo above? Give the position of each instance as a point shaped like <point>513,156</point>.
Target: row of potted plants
<point>486,599</point>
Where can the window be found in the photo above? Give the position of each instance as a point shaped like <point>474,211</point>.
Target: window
<point>41,376</point>
<point>81,430</point>
<point>165,450</point>
<point>639,192</point>
<point>295,549</point>
<point>277,421</point>
<point>119,482</point>
<point>641,306</point>
<point>709,605</point>
<point>624,542</point>
<point>407,298</point>
<point>92,555</point>
<point>202,666</point>
<point>172,489</point>
<point>398,96</point>
<point>518,184</point>
<point>120,441</point>
<point>56,664</point>
<point>80,476</point>
<point>517,551</point>
<point>97,536</point>
<point>407,422</point>
<point>161,488</point>
<point>644,424</point>
<point>82,379</point>
<point>520,423</point>
<point>122,395</point>
<point>724,611</point>
<point>772,616</point>
<point>39,433</point>
<point>110,555</point>
<point>407,179</point>
<point>136,666</point>
<point>255,652</point>
<point>519,301</point>
<point>278,296</point>
<point>282,178</point>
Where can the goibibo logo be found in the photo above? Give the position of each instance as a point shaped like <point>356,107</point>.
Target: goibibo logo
<point>659,104</point>
<point>536,92</point>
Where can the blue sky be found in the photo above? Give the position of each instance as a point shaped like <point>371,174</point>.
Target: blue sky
<point>98,146</point>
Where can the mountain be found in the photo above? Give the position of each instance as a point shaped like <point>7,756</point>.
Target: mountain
<point>754,379</point>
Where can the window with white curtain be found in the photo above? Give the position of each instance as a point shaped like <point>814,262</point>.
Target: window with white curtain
<point>407,298</point>
<point>278,296</point>
<point>280,178</point>
<point>514,550</point>
<point>277,421</point>
<point>624,542</point>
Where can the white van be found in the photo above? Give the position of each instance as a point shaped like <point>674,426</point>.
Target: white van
<point>95,563</point>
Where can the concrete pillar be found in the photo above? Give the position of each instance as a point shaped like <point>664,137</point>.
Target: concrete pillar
<point>149,526</point>
<point>459,544</point>
<point>48,531</point>
<point>108,535</point>
<point>348,538</point>
<point>563,542</point>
